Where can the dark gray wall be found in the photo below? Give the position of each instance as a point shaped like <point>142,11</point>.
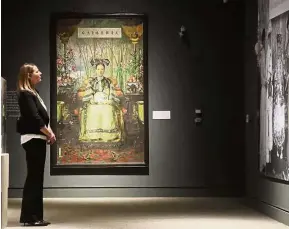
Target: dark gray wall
<point>271,194</point>
<point>208,74</point>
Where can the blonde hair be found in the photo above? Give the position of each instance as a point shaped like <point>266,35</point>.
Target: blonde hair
<point>24,82</point>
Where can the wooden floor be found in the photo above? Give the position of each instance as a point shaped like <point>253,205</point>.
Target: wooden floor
<point>147,213</point>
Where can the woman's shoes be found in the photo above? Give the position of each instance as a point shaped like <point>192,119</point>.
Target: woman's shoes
<point>45,222</point>
<point>36,223</point>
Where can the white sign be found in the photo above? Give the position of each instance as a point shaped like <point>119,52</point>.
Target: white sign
<point>277,7</point>
<point>161,114</point>
<point>99,33</point>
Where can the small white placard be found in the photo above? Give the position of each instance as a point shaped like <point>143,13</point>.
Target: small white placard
<point>161,114</point>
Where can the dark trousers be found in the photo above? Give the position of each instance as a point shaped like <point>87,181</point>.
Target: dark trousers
<point>32,200</point>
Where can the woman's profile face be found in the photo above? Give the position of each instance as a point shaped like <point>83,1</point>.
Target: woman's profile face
<point>99,70</point>
<point>35,77</point>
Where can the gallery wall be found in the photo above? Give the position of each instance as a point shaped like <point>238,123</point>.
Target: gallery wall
<point>270,196</point>
<point>204,72</point>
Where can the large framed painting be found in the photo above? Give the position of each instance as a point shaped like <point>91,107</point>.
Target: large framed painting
<point>99,94</point>
<point>272,50</point>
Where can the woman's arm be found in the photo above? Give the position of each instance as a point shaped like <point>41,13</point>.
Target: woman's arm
<point>49,129</point>
<point>87,94</point>
<point>46,131</point>
<point>52,137</point>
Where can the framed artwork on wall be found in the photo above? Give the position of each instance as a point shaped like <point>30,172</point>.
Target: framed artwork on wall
<point>99,94</point>
<point>272,51</point>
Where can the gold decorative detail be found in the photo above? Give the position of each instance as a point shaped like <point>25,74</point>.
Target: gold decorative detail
<point>134,33</point>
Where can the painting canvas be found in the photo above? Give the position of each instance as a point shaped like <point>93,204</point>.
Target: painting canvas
<point>99,93</point>
<point>272,50</point>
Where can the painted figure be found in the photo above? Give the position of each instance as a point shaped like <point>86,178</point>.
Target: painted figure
<point>279,100</point>
<point>269,102</point>
<point>101,114</point>
<point>261,57</point>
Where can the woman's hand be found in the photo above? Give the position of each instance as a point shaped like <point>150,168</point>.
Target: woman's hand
<point>50,136</point>
<point>51,139</point>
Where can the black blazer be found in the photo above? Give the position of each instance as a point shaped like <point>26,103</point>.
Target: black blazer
<point>33,116</point>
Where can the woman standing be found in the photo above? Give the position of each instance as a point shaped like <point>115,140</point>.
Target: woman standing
<point>33,126</point>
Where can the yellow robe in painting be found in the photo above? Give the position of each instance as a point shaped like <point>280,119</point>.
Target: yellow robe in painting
<point>101,116</point>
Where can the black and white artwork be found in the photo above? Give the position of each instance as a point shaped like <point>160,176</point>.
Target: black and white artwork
<point>272,51</point>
